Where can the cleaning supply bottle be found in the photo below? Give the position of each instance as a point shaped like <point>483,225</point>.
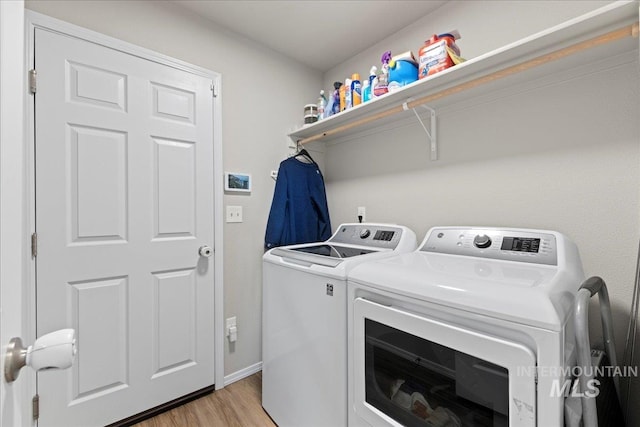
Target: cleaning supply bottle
<point>373,72</point>
<point>342,92</point>
<point>367,85</point>
<point>348,100</point>
<point>336,97</point>
<point>322,104</point>
<point>366,91</point>
<point>382,80</point>
<point>356,90</point>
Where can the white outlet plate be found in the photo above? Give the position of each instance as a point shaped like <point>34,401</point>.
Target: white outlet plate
<point>231,321</point>
<point>234,213</point>
<point>231,329</point>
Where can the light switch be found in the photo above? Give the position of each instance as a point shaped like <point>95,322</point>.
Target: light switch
<point>234,213</point>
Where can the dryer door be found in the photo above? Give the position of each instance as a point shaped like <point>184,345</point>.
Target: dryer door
<point>410,369</point>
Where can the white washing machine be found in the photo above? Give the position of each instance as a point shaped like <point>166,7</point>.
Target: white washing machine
<point>304,332</point>
<point>472,329</point>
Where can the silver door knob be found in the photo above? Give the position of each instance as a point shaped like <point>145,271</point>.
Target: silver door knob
<point>205,251</point>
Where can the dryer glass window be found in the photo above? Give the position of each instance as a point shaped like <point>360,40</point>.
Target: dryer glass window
<point>414,380</point>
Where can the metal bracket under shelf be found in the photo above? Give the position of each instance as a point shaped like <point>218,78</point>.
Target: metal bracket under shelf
<point>431,133</point>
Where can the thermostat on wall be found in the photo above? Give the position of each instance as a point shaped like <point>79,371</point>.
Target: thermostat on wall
<point>234,181</point>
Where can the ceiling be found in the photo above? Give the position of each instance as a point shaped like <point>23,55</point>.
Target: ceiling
<point>320,34</point>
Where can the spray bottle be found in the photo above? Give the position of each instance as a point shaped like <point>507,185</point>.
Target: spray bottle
<point>380,88</point>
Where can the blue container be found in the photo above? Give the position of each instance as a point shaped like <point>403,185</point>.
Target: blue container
<point>403,72</point>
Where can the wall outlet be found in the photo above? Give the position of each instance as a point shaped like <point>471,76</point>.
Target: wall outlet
<point>234,213</point>
<point>231,329</point>
<point>362,212</point>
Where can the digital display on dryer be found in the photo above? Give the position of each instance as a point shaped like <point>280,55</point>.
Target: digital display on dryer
<point>520,244</point>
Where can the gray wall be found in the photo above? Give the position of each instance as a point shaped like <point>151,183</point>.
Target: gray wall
<point>262,96</point>
<point>561,153</point>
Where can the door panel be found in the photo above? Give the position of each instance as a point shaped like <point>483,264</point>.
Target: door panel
<point>98,163</point>
<point>175,323</point>
<point>174,188</point>
<point>99,306</point>
<point>124,199</point>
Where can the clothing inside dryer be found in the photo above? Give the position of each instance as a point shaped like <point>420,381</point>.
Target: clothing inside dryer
<point>417,381</point>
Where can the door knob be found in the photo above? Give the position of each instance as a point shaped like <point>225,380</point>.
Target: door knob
<point>55,350</point>
<point>205,251</point>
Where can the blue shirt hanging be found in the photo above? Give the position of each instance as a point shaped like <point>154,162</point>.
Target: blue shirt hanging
<point>299,211</point>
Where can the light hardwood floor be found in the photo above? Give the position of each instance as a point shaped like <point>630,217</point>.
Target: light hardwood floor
<point>236,405</point>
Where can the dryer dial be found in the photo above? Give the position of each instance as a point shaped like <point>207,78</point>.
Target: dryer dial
<point>365,233</point>
<point>482,241</point>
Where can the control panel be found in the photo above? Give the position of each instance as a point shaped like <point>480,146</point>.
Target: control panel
<point>373,235</point>
<point>504,244</point>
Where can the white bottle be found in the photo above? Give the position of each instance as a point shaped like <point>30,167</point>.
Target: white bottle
<point>348,101</point>
<point>322,105</point>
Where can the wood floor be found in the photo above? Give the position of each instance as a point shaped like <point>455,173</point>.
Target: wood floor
<point>236,405</point>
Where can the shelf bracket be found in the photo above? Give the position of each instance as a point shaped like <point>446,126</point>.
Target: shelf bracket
<point>431,133</point>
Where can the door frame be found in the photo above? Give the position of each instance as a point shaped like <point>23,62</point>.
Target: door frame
<point>14,409</point>
<point>37,20</point>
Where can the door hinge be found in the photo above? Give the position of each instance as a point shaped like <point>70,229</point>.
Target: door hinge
<point>33,84</point>
<point>214,90</point>
<point>34,245</point>
<point>35,406</point>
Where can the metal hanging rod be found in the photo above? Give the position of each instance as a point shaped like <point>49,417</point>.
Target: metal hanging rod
<point>621,33</point>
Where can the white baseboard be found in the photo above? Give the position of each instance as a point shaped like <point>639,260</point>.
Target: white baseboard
<point>242,373</point>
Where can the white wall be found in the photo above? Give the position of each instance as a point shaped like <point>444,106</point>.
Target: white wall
<point>263,95</point>
<point>563,154</point>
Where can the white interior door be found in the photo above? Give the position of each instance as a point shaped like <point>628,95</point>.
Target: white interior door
<point>124,200</point>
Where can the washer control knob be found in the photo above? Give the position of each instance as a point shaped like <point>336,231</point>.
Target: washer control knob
<point>482,241</point>
<point>365,233</point>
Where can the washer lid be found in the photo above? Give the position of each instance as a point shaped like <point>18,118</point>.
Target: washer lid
<point>351,244</point>
<point>321,254</point>
<point>537,295</point>
<point>335,251</point>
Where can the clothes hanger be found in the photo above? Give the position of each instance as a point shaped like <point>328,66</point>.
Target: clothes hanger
<point>303,155</point>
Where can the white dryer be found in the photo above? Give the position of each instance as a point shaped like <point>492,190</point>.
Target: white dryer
<point>472,329</point>
<point>304,333</point>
